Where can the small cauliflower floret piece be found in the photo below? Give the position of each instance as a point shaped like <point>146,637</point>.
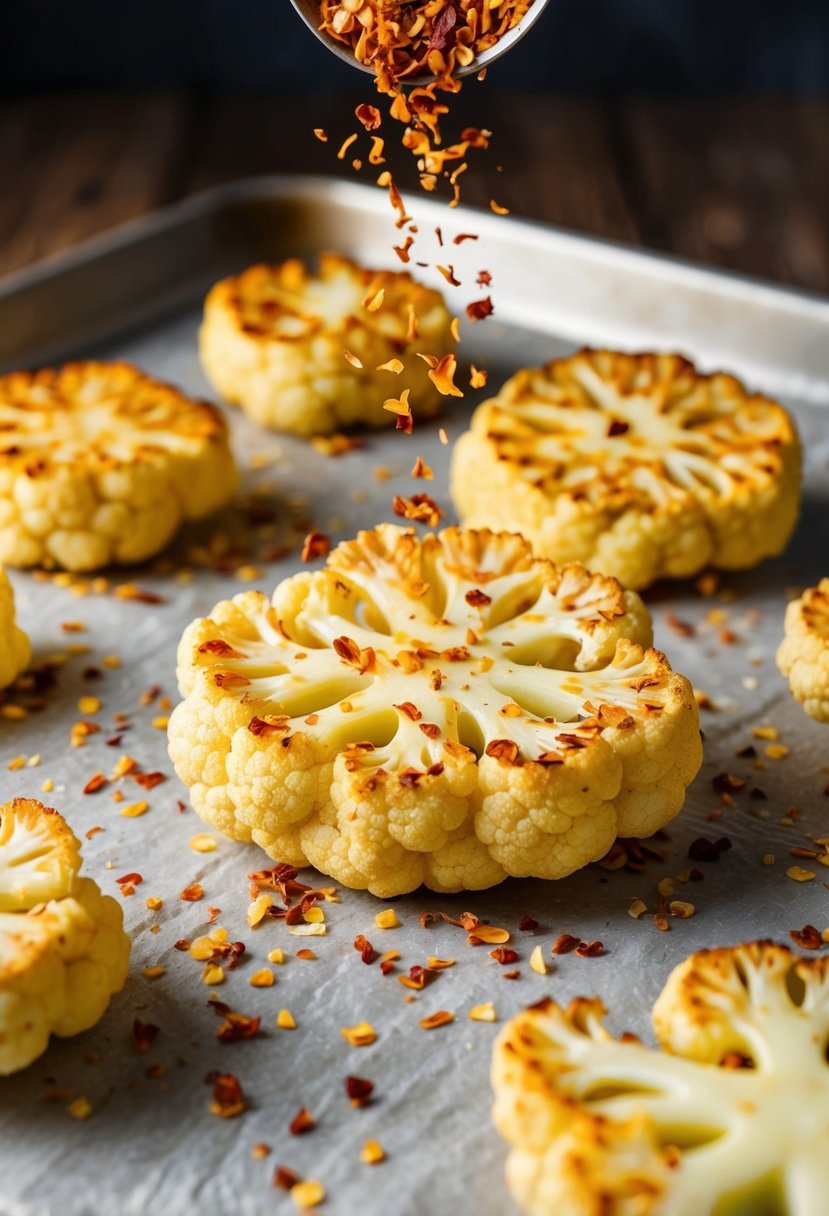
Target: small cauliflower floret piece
<point>803,655</point>
<point>63,949</point>
<point>446,711</point>
<point>274,341</point>
<point>101,464</point>
<point>637,465</point>
<point>15,650</point>
<point>732,1116</point>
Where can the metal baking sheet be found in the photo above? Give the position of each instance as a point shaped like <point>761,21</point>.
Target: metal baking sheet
<point>151,1145</point>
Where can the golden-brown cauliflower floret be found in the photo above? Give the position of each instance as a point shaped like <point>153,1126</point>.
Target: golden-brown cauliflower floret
<point>15,650</point>
<point>803,655</point>
<point>446,711</point>
<point>63,950</point>
<point>101,464</point>
<point>634,464</point>
<point>732,1117</point>
<point>274,341</point>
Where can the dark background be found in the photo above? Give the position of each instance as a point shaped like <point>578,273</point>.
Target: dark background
<point>682,47</point>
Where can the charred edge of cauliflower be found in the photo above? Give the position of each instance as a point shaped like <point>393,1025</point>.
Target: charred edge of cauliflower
<point>63,950</point>
<point>101,464</point>
<point>446,711</point>
<point>15,650</point>
<point>635,464</point>
<point>731,1116</point>
<point>273,342</point>
<point>803,655</point>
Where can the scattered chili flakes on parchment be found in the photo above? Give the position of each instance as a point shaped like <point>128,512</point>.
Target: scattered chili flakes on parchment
<point>228,1098</point>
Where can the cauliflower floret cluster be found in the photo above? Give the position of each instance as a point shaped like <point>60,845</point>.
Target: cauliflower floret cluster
<point>15,650</point>
<point>63,950</point>
<point>101,464</point>
<point>447,711</point>
<point>803,655</point>
<point>634,464</point>
<point>731,1117</point>
<point>304,352</point>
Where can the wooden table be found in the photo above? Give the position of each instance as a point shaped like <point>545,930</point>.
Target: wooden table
<point>742,184</point>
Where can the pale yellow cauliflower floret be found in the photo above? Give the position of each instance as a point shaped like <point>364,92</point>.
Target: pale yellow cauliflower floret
<point>447,711</point>
<point>15,650</point>
<point>803,655</point>
<point>274,341</point>
<point>731,1117</point>
<point>101,464</point>
<point>637,465</point>
<point>63,950</point>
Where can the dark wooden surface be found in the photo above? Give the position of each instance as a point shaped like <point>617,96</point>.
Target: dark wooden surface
<point>742,184</point>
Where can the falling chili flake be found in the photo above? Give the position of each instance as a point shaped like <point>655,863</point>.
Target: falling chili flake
<point>443,376</point>
<point>448,273</point>
<point>420,508</point>
<point>346,144</point>
<point>497,208</point>
<point>353,360</point>
<point>477,377</point>
<point>321,135</point>
<point>369,116</point>
<point>316,544</point>
<point>478,310</point>
<point>400,405</point>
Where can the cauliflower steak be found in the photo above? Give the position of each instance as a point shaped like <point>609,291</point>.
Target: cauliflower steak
<point>635,464</point>
<point>803,655</point>
<point>304,352</point>
<point>63,950</point>
<point>101,464</point>
<point>15,650</point>
<point>447,711</point>
<point>731,1117</point>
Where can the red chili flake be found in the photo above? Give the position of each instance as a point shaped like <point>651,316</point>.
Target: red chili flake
<point>727,783</point>
<point>302,1122</point>
<point>235,1026</point>
<point>405,423</point>
<point>114,741</point>
<point>286,1179</point>
<point>316,544</point>
<point>477,599</point>
<point>213,914</point>
<point>420,508</point>
<point>443,30</point>
<point>510,975</point>
<point>193,893</point>
<point>387,965</point>
<point>359,1090</point>
<point>402,251</point>
<point>144,1035</point>
<point>132,879</point>
<point>682,628</point>
<point>364,948</point>
<point>589,949</point>
<point>527,924</point>
<point>228,1097</point>
<point>96,782</point>
<point>703,849</point>
<point>504,955</point>
<point>467,921</point>
<point>369,116</point>
<point>218,646</point>
<point>464,236</point>
<point>426,919</point>
<point>564,943</point>
<point>735,1059</point>
<point>617,426</point>
<point>484,278</point>
<point>182,944</point>
<point>148,781</point>
<point>503,749</point>
<point>479,310</point>
<point>808,938</point>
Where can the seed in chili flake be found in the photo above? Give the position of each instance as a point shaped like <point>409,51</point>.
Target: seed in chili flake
<point>589,949</point>
<point>441,1018</point>
<point>359,1090</point>
<point>144,1035</point>
<point>285,1020</point>
<point>483,1013</point>
<point>308,1194</point>
<point>372,1153</point>
<point>808,938</point>
<point>302,1122</point>
<point>360,1035</point>
<point>564,943</point>
<point>228,1096</point>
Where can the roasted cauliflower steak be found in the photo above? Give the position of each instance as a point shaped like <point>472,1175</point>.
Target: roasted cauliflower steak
<point>63,950</point>
<point>637,465</point>
<point>101,464</point>
<point>303,352</point>
<point>446,710</point>
<point>731,1117</point>
<point>803,655</point>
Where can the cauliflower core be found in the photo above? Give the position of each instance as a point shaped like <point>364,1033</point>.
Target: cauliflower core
<point>101,464</point>
<point>63,950</point>
<point>447,711</point>
<point>274,341</point>
<point>635,464</point>
<point>731,1118</point>
<point>803,656</point>
<point>15,650</point>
